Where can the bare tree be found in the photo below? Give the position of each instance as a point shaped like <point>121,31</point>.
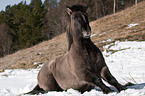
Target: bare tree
<point>5,40</point>
<point>114,6</point>
<point>135,2</point>
<point>96,6</point>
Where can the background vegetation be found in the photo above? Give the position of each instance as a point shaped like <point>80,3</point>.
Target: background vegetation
<point>23,26</point>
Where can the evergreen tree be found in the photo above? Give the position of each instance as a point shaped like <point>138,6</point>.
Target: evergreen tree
<point>25,22</point>
<point>31,31</point>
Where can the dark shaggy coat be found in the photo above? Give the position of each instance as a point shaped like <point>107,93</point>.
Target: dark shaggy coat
<point>83,66</point>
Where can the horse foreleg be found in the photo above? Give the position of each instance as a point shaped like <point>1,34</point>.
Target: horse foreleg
<point>107,76</point>
<point>96,80</point>
<point>104,88</point>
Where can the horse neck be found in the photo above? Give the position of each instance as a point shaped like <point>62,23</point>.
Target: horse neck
<point>81,43</point>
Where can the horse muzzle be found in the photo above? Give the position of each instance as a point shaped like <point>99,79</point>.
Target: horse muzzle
<point>86,34</point>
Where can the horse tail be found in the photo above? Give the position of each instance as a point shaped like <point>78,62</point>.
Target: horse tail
<point>36,90</point>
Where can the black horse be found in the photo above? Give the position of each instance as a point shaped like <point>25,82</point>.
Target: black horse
<point>82,67</point>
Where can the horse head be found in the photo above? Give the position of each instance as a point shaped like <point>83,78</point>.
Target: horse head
<point>78,24</point>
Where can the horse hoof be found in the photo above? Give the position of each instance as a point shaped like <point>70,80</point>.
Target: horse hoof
<point>129,84</point>
<point>107,91</point>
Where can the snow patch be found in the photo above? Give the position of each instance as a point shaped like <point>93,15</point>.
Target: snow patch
<point>132,25</point>
<point>93,35</point>
<point>36,63</point>
<point>108,40</point>
<point>39,53</point>
<point>102,34</point>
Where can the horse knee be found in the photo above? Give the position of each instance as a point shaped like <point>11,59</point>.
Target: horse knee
<point>106,75</point>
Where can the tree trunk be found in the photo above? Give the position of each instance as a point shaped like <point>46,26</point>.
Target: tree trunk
<point>5,40</point>
<point>135,2</point>
<point>114,7</point>
<point>96,6</point>
<point>103,7</point>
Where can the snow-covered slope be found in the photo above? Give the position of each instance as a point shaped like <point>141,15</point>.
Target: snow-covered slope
<point>127,64</point>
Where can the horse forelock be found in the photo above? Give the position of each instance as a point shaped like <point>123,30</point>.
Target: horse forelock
<point>78,7</point>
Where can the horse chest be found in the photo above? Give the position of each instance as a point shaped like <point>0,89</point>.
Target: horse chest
<point>81,59</point>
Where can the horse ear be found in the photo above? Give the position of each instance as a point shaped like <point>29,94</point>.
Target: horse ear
<point>69,11</point>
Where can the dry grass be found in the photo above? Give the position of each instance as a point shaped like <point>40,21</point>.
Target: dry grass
<point>107,30</point>
<point>32,57</point>
<point>114,26</point>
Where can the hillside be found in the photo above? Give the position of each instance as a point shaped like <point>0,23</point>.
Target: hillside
<point>125,25</point>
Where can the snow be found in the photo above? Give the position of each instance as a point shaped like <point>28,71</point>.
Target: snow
<point>93,35</point>
<point>108,40</point>
<point>132,25</point>
<point>127,64</point>
<point>102,34</point>
<point>35,63</point>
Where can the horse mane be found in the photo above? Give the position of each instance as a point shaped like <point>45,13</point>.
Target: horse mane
<point>68,31</point>
<point>74,8</point>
